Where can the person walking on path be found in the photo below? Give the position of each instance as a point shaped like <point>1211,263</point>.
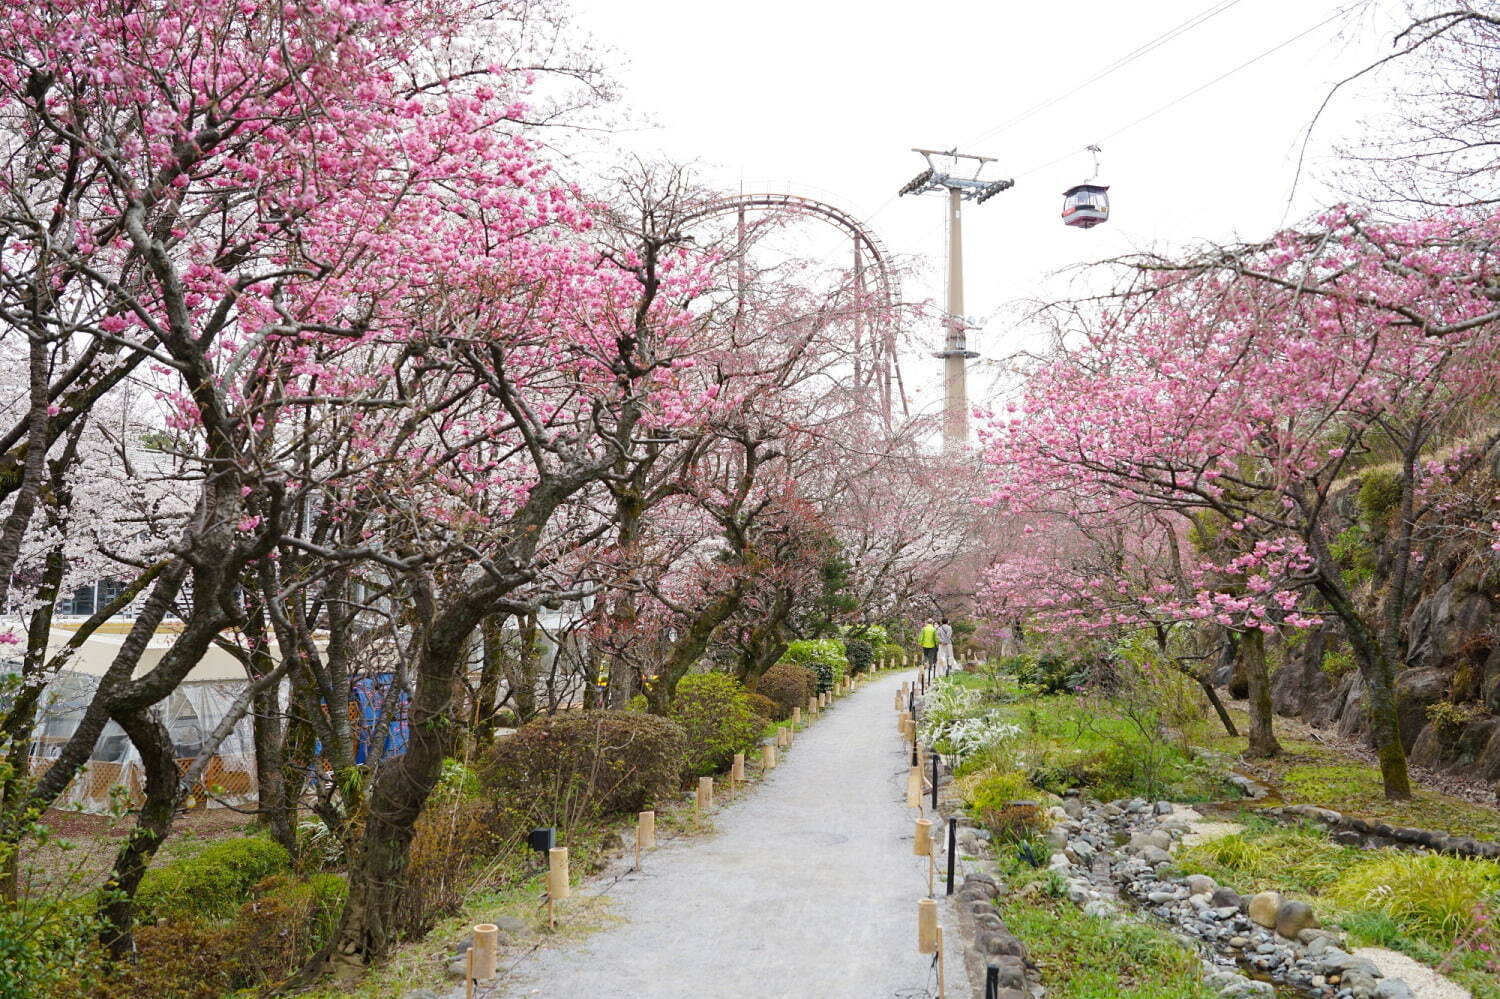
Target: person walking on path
<point>928,639</point>
<point>945,646</point>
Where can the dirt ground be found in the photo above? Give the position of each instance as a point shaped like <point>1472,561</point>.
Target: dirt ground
<point>1472,790</point>
<point>77,849</point>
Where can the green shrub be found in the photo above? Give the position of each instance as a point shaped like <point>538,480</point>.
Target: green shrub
<point>1379,496</point>
<point>46,949</point>
<point>859,654</point>
<point>1015,822</point>
<point>890,652</point>
<point>996,789</point>
<point>558,769</point>
<point>211,884</point>
<point>271,936</point>
<point>1049,672</point>
<point>1433,897</point>
<point>716,719</point>
<point>824,656</point>
<point>183,959</point>
<point>788,685</point>
<point>763,707</point>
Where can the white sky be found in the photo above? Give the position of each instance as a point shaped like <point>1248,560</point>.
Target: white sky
<point>826,97</point>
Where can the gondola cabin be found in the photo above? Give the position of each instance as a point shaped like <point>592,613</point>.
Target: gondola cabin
<point>1085,205</point>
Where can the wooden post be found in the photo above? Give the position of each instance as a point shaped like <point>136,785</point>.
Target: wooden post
<point>645,834</point>
<point>737,770</point>
<point>927,926</point>
<point>921,845</point>
<point>914,789</point>
<point>483,951</point>
<point>898,702</point>
<point>768,757</point>
<point>557,881</point>
<point>781,735</point>
<point>796,716</point>
<point>469,974</point>
<point>941,983</point>
<point>705,794</point>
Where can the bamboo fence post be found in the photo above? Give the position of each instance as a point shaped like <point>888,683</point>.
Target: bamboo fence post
<point>736,771</point>
<point>483,951</point>
<point>557,881</point>
<point>768,757</point>
<point>927,925</point>
<point>645,834</point>
<point>914,789</point>
<point>469,974</point>
<point>941,982</point>
<point>705,794</point>
<point>796,716</point>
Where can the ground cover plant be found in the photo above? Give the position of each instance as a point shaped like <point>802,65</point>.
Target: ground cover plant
<point>1112,746</point>
<point>1315,773</point>
<point>1439,909</point>
<point>1089,957</point>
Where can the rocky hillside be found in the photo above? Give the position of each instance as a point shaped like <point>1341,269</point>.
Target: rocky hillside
<point>1448,689</point>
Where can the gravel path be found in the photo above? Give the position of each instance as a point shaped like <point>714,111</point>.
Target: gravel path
<point>807,888</point>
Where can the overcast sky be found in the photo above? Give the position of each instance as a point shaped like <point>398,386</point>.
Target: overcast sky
<point>826,98</point>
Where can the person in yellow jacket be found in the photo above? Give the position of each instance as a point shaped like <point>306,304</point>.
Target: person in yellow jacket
<point>928,639</point>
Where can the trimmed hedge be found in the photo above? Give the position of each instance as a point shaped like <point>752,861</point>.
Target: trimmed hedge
<point>788,685</point>
<point>763,707</point>
<point>603,762</point>
<point>716,717</point>
<point>860,655</point>
<point>271,936</point>
<point>211,884</point>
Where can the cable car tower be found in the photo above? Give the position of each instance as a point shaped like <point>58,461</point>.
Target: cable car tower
<point>955,352</point>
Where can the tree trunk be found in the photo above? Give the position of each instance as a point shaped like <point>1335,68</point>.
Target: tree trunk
<point>1213,698</point>
<point>521,673</point>
<point>492,631</point>
<point>689,648</point>
<point>377,867</point>
<point>1263,744</point>
<point>163,790</point>
<point>1380,681</point>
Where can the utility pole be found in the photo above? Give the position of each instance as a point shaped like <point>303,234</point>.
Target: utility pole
<point>955,352</point>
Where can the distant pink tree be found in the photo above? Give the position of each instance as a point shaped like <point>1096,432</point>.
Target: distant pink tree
<point>1241,386</point>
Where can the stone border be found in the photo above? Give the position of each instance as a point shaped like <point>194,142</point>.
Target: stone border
<point>1351,831</point>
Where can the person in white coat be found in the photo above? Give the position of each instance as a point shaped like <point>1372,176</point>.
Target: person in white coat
<point>945,646</point>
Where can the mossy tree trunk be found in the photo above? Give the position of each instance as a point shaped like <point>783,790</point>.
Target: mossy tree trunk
<point>1263,744</point>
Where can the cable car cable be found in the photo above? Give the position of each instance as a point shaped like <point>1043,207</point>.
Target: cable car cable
<point>1198,19</point>
<point>1202,17</point>
<point>1342,11</point>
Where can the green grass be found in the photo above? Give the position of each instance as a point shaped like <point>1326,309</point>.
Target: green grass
<point>1068,742</point>
<point>1271,858</point>
<point>1418,903</point>
<point>1315,774</point>
<point>1084,957</point>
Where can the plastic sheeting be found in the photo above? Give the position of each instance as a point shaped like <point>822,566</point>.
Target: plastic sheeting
<point>190,713</point>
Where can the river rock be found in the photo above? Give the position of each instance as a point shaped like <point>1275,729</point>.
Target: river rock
<point>1083,850</point>
<point>1099,908</point>
<point>1394,988</point>
<point>1200,884</point>
<point>1226,897</point>
<point>1156,856</point>
<point>1293,917</point>
<point>1263,908</point>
